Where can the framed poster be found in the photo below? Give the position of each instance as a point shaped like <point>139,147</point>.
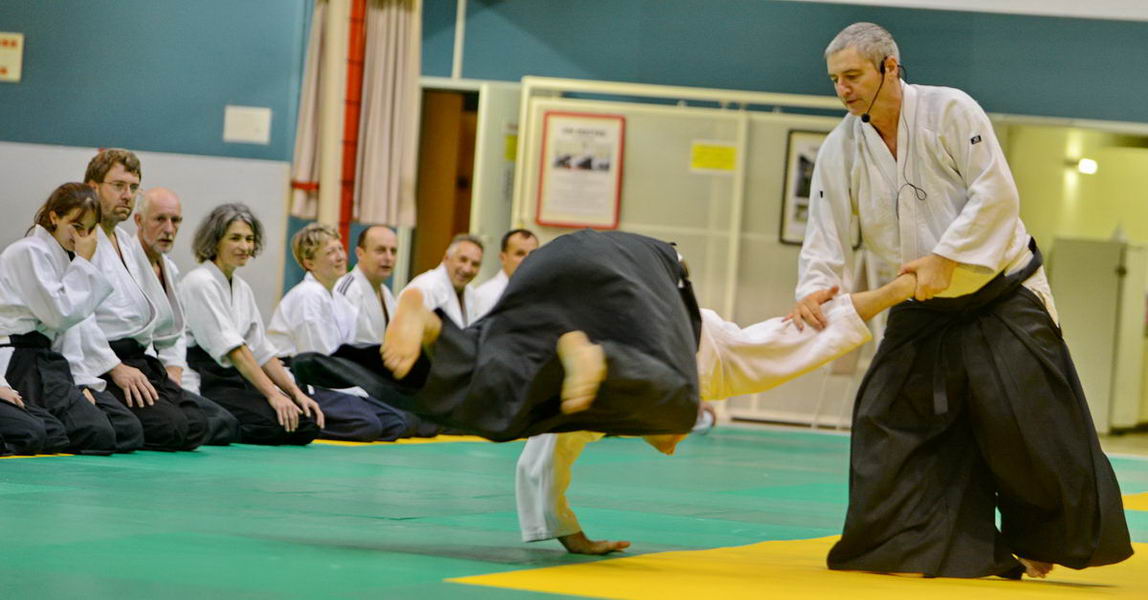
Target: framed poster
<point>580,178</point>
<point>800,157</point>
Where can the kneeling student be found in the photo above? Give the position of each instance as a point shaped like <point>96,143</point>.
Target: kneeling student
<point>227,348</point>
<point>48,284</point>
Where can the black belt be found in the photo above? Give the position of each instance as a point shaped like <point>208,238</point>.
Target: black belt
<point>32,339</point>
<point>999,287</point>
<point>127,348</point>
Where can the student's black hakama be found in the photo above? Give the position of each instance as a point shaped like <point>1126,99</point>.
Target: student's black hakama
<point>258,423</point>
<point>175,421</point>
<point>972,405</point>
<point>44,380</point>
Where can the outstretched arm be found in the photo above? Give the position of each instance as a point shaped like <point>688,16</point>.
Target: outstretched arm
<point>733,361</point>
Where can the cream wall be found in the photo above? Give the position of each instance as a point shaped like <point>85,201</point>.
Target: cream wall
<point>1058,201</point>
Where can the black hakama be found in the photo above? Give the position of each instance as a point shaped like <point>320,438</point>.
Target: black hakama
<point>972,405</point>
<point>175,421</point>
<point>44,380</point>
<point>24,432</point>
<point>258,423</point>
<point>501,377</point>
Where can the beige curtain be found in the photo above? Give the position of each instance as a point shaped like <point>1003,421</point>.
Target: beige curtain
<point>389,129</point>
<point>305,164</point>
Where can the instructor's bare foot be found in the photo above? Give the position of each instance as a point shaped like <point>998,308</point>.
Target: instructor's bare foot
<point>1035,568</point>
<point>578,543</point>
<point>666,443</point>
<point>585,366</point>
<point>412,327</point>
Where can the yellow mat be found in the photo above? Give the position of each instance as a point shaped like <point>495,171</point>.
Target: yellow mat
<point>434,440</point>
<point>1136,502</point>
<point>796,569</point>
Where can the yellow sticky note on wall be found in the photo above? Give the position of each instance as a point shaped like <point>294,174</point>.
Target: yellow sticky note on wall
<point>713,157</point>
<point>510,147</point>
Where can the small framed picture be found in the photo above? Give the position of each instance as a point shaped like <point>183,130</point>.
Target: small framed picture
<point>801,154</point>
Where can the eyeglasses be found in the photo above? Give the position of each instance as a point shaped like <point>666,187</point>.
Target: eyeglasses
<point>123,186</point>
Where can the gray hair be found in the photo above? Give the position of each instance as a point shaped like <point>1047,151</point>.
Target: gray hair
<point>460,238</point>
<point>213,227</point>
<point>872,41</point>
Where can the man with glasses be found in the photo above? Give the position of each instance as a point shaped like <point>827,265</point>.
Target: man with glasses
<point>114,349</point>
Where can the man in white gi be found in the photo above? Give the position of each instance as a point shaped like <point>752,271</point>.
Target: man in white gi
<point>447,286</point>
<point>365,285</point>
<point>158,218</point>
<point>127,319</point>
<point>972,404</point>
<point>517,244</point>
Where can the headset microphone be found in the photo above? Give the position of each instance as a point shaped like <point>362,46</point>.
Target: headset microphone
<point>865,116</point>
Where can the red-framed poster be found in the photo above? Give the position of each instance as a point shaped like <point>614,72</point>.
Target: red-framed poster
<point>580,178</point>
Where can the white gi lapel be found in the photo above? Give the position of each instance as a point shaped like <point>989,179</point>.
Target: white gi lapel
<point>906,197</point>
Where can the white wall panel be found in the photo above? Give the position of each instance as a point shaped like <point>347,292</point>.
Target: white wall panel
<point>29,172</point>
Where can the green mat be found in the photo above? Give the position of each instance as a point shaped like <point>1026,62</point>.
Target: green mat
<point>393,521</point>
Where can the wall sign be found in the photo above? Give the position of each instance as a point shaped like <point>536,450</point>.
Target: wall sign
<point>11,56</point>
<point>580,182</point>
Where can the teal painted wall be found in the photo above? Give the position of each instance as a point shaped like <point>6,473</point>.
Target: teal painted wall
<point>154,74</point>
<point>1079,68</point>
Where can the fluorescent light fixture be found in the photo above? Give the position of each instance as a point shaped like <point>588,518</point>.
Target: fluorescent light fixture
<point>1086,166</point>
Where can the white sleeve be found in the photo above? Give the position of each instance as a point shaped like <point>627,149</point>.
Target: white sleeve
<point>256,338</point>
<point>207,316</point>
<point>827,253</point>
<point>733,361</point>
<point>311,328</point>
<point>983,231</point>
<point>59,304</point>
<point>541,479</point>
<point>86,348</point>
<point>173,351</point>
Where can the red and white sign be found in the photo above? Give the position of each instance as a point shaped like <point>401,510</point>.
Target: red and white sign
<point>580,182</point>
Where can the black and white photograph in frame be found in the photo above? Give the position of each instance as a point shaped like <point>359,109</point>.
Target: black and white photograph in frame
<point>800,156</point>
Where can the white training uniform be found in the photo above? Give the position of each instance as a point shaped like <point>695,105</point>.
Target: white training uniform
<point>311,318</point>
<point>490,291</point>
<point>373,315</point>
<point>169,339</point>
<point>221,316</point>
<point>731,361</point>
<point>42,290</point>
<point>948,191</point>
<point>127,312</point>
<point>438,292</point>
